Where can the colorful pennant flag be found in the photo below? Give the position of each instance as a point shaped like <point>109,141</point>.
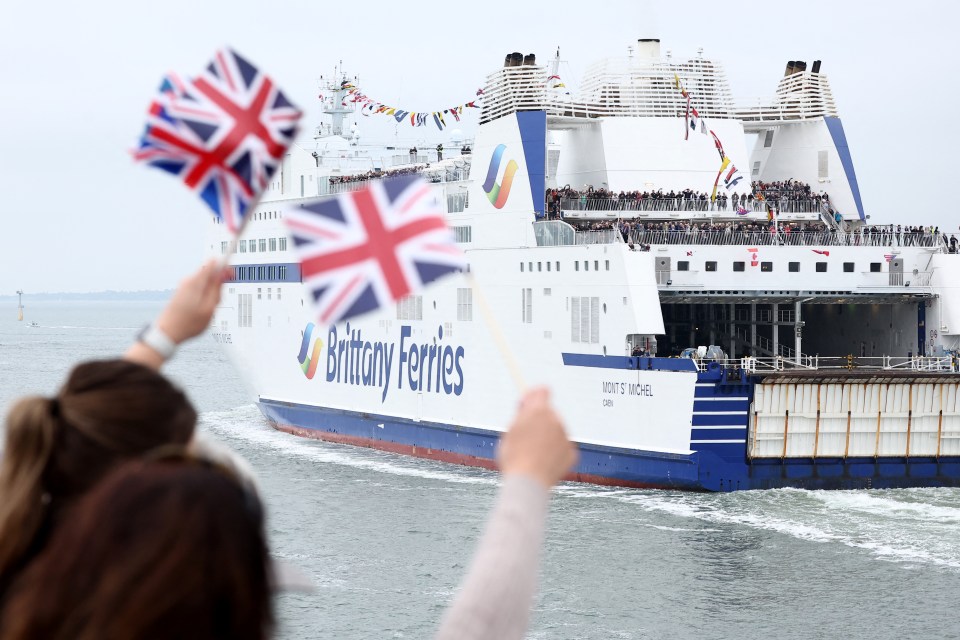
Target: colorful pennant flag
<point>364,249</point>
<point>223,133</point>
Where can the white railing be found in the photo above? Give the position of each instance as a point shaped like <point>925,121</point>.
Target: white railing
<point>753,364</point>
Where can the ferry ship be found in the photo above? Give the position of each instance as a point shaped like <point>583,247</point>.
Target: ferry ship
<point>767,337</point>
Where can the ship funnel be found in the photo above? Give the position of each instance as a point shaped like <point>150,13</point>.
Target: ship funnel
<point>516,59</point>
<point>789,68</point>
<point>816,66</point>
<point>800,66</point>
<point>529,59</point>
<point>648,48</point>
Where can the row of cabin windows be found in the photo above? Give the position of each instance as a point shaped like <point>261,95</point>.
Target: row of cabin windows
<point>265,272</point>
<point>528,266</point>
<point>411,307</point>
<point>259,215</point>
<point>261,244</point>
<point>792,267</point>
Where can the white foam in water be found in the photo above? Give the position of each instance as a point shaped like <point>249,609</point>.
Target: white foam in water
<point>246,424</point>
<point>891,525</point>
<point>916,526</point>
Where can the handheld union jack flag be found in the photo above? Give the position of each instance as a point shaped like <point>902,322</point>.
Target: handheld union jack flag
<point>223,133</point>
<point>362,250</point>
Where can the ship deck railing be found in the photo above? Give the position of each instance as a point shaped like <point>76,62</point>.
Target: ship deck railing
<point>681,204</point>
<point>837,364</point>
<point>794,238</point>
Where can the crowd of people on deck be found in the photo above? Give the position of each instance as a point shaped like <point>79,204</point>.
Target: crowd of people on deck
<point>118,520</point>
<point>749,232</point>
<point>375,174</point>
<point>790,195</point>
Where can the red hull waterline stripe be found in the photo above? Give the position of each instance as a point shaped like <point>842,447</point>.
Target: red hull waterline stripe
<point>448,456</point>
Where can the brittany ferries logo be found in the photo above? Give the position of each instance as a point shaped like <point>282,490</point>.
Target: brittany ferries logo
<point>308,358</point>
<point>431,366</point>
<point>499,192</point>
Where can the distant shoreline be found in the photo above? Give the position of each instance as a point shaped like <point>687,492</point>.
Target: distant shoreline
<point>158,296</point>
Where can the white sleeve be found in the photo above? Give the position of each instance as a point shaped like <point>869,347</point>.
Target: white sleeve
<point>497,593</point>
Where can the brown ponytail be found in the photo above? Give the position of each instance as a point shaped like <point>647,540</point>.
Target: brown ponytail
<point>31,433</point>
<point>107,412</point>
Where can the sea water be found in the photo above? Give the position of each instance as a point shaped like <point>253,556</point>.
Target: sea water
<point>386,539</point>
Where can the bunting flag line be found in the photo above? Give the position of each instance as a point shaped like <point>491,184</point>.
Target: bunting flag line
<point>554,82</point>
<point>362,250</point>
<point>222,133</point>
<point>368,106</point>
<point>723,165</point>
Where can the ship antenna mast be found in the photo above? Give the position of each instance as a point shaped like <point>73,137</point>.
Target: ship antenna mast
<point>337,109</point>
<point>20,304</point>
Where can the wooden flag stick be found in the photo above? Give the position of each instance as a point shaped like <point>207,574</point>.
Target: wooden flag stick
<point>498,338</point>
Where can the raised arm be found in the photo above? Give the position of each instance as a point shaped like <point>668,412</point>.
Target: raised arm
<point>496,596</point>
<point>187,315</point>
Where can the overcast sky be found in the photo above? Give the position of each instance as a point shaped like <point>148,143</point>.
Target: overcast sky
<point>78,215</point>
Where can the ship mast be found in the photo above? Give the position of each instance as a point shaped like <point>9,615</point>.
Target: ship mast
<point>337,109</point>
<point>20,304</point>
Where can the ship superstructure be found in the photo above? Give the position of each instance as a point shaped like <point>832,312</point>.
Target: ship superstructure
<point>759,335</point>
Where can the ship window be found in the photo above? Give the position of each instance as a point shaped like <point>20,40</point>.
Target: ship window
<point>548,265</point>
<point>585,320</point>
<point>848,267</point>
<point>607,264</point>
<point>547,291</point>
<point>821,267</point>
<point>875,267</point>
<point>596,265</point>
<point>521,267</point>
<point>683,265</point>
<point>269,293</point>
<point>243,246</point>
<point>738,266</point>
<point>263,245</point>
<point>768,139</point>
<point>539,266</point>
<point>766,266</point>
<point>710,266</point>
<point>273,244</point>
<point>756,169</point>
<point>259,293</point>
<point>793,267</point>
<point>283,244</point>
<point>283,273</point>
<point>223,246</point>
<point>410,308</point>
<point>558,265</point>
<point>527,305</point>
<point>586,265</point>
<point>253,246</point>
<point>530,267</point>
<point>576,265</point>
<point>278,293</point>
<point>463,234</point>
<point>465,304</point>
<point>245,310</point>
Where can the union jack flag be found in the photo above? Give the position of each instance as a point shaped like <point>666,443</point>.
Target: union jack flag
<point>223,133</point>
<point>364,249</point>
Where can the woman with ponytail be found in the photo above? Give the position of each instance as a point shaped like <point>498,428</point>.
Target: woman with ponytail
<point>107,412</point>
